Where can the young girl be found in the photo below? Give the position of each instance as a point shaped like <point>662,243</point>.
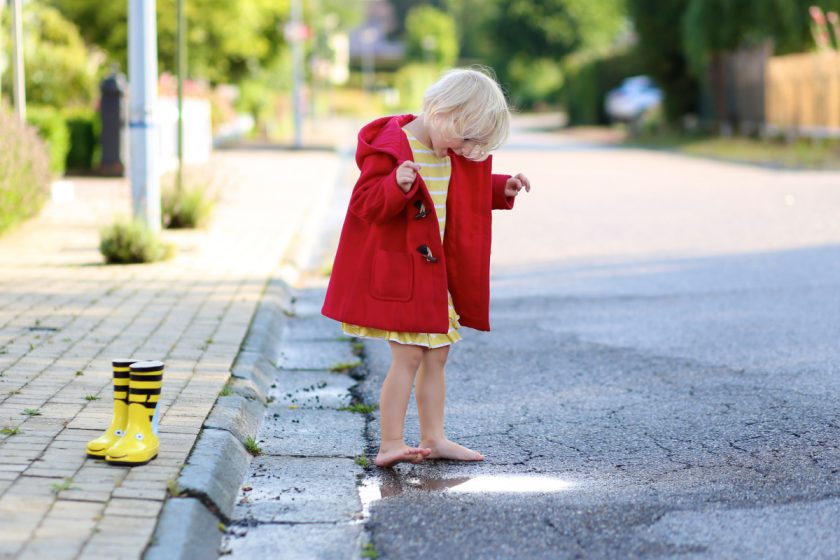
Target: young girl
<point>413,260</point>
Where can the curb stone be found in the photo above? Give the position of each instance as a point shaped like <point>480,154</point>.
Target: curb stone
<point>188,528</point>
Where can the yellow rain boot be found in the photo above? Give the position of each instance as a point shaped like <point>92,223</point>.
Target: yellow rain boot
<point>140,443</point>
<point>98,447</point>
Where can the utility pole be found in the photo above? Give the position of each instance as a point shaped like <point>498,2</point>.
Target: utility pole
<point>143,140</point>
<point>182,71</point>
<point>297,69</point>
<point>18,91</point>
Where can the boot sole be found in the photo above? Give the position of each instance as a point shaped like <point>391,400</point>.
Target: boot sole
<point>131,463</point>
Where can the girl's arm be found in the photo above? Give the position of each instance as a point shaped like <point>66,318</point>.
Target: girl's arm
<point>377,197</point>
<point>500,200</point>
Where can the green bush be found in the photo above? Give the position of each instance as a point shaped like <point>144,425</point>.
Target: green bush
<point>188,207</point>
<point>53,129</point>
<point>83,128</point>
<point>411,81</point>
<point>132,242</point>
<point>24,171</point>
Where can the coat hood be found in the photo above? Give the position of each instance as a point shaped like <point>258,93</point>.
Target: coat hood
<point>384,135</point>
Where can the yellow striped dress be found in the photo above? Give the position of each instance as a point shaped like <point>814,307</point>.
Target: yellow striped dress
<point>435,172</point>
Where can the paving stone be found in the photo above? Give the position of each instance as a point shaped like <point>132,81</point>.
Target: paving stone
<point>312,389</point>
<point>300,490</point>
<point>316,355</point>
<point>308,432</point>
<point>293,542</point>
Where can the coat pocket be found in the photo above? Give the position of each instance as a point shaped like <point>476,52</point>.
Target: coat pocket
<point>392,277</point>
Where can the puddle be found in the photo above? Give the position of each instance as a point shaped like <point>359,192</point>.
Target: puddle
<point>390,484</point>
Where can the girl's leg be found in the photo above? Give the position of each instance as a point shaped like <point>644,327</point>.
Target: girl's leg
<point>430,393</point>
<point>393,400</point>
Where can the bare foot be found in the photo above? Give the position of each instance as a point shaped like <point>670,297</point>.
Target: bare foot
<point>403,454</point>
<point>445,449</point>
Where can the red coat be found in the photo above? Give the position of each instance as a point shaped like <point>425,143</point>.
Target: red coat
<point>380,277</point>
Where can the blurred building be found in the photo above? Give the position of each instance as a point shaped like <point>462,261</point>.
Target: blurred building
<point>370,42</point>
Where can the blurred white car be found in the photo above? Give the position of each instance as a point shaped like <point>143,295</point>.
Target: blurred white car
<point>632,99</point>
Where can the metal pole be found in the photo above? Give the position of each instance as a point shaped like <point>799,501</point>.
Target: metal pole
<point>2,5</point>
<point>18,90</point>
<point>297,69</point>
<point>182,70</point>
<point>142,70</point>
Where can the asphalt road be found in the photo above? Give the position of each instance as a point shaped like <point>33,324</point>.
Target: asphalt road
<point>661,380</point>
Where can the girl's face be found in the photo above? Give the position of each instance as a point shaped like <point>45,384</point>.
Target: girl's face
<point>462,146</point>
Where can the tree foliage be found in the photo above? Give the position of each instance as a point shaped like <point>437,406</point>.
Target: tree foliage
<point>431,36</point>
<point>59,69</point>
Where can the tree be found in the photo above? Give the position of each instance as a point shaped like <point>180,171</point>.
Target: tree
<point>532,39</point>
<point>431,37</point>
<point>60,70</point>
<point>660,52</point>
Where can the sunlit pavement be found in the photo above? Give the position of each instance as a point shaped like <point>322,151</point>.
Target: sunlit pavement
<point>64,316</point>
<point>661,379</point>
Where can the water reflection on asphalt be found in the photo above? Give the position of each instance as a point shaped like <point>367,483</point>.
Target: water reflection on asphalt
<point>391,483</point>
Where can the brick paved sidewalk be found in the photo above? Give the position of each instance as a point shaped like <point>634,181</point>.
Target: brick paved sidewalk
<point>64,316</point>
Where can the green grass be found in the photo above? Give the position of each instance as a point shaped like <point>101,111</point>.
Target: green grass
<point>345,366</point>
<point>31,412</point>
<point>359,408</point>
<point>369,551</point>
<point>172,486</point>
<point>227,390</point>
<point>91,398</point>
<point>7,431</point>
<point>79,373</point>
<point>777,153</point>
<point>57,487</point>
<point>132,242</point>
<point>362,461</point>
<point>252,447</point>
<point>358,347</point>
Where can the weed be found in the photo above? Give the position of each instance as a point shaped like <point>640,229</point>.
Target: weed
<point>188,207</point>
<point>359,408</point>
<point>358,347</point>
<point>172,486</point>
<point>14,392</point>
<point>252,447</point>
<point>345,366</point>
<point>79,373</point>
<point>221,527</point>
<point>31,412</point>
<point>7,431</point>
<point>132,242</point>
<point>369,551</point>
<point>226,391</point>
<point>57,487</point>
<point>362,461</point>
<point>91,398</point>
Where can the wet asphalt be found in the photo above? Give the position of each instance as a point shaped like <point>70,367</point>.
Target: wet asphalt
<point>661,380</point>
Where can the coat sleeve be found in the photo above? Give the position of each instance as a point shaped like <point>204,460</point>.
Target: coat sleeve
<point>377,197</point>
<point>500,201</point>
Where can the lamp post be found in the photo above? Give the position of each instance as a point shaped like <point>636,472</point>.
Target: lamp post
<point>18,91</point>
<point>143,141</point>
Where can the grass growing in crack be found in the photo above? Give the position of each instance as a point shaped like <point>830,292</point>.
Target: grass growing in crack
<point>369,551</point>
<point>358,348</point>
<point>91,398</point>
<point>227,390</point>
<point>57,487</point>
<point>7,431</point>
<point>172,486</point>
<point>31,412</point>
<point>79,373</point>
<point>359,408</point>
<point>252,447</point>
<point>362,461</point>
<point>345,366</point>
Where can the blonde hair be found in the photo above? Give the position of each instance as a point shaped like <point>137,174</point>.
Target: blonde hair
<point>468,103</point>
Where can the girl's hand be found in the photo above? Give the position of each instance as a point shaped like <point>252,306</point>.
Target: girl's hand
<point>516,184</point>
<point>406,173</point>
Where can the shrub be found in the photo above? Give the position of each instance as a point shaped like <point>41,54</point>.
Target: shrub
<point>188,207</point>
<point>53,129</point>
<point>132,242</point>
<point>83,128</point>
<point>24,171</point>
